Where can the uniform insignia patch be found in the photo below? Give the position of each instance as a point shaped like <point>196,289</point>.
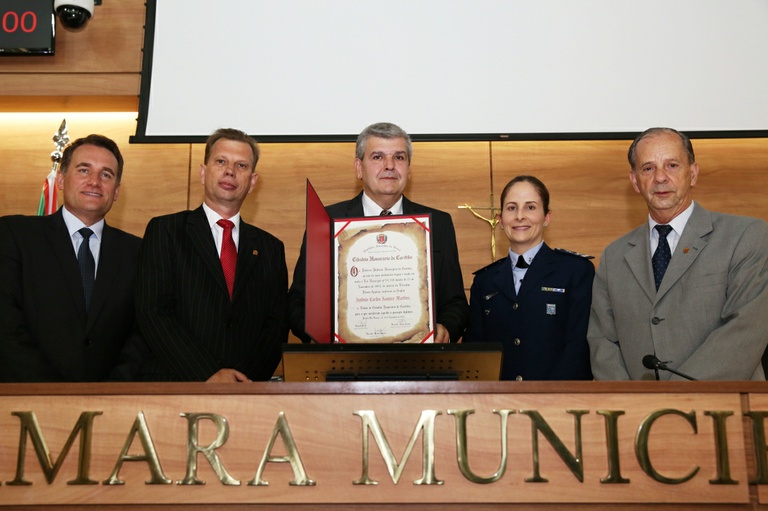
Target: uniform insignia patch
<point>566,251</point>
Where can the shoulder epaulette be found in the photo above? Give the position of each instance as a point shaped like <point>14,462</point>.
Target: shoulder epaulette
<point>493,264</point>
<point>571,252</point>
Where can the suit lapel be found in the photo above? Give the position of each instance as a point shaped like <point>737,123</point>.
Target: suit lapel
<point>543,264</point>
<point>504,281</point>
<point>688,248</point>
<point>408,207</point>
<point>638,258</point>
<point>355,207</point>
<point>199,232</point>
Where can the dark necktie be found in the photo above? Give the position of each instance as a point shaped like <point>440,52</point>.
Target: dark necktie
<point>228,254</point>
<point>87,265</point>
<point>521,263</point>
<point>385,212</point>
<point>662,255</point>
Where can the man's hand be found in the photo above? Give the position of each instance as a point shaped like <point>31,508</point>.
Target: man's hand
<point>441,335</point>
<point>227,376</point>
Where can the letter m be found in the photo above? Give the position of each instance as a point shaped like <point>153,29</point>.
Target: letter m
<point>426,423</point>
<point>29,424</point>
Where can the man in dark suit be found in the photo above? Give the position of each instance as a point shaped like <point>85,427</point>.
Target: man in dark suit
<point>689,286</point>
<point>211,289</point>
<point>382,162</point>
<point>51,328</point>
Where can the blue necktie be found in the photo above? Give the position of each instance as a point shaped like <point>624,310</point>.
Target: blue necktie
<point>662,255</point>
<point>87,265</point>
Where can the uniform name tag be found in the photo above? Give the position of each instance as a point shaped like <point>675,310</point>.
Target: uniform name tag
<point>551,309</point>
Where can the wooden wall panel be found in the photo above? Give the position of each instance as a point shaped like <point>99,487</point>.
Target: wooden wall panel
<point>590,195</point>
<point>111,42</point>
<point>69,84</point>
<point>154,177</point>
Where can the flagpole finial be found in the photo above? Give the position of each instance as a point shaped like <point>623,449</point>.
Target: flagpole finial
<point>48,197</point>
<point>60,139</point>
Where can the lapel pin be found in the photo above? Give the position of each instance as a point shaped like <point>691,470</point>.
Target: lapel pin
<point>255,252</point>
<point>686,250</point>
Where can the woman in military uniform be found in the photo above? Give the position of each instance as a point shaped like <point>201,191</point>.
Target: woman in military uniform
<point>535,301</point>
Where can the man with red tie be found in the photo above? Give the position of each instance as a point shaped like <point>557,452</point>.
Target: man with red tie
<point>211,289</point>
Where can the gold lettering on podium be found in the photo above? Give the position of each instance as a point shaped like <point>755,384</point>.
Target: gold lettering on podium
<point>641,445</point>
<point>293,457</point>
<point>426,425</point>
<point>574,463</point>
<point>612,443</point>
<point>83,427</point>
<point>761,449</point>
<point>721,448</point>
<point>150,454</point>
<point>193,448</point>
<point>462,446</point>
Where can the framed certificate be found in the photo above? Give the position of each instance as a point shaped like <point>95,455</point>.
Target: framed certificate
<point>383,282</point>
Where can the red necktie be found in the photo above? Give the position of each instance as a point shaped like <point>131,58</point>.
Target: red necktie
<point>228,254</point>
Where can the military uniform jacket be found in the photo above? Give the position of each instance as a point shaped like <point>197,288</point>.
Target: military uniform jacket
<point>543,328</point>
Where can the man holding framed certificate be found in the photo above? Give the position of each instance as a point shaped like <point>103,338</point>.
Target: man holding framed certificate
<point>382,162</point>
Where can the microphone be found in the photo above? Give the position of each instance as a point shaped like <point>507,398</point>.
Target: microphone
<point>652,362</point>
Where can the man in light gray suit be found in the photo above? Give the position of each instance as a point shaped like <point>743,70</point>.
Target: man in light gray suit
<point>692,292</point>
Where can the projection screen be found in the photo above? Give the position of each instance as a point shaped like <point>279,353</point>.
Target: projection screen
<point>321,70</point>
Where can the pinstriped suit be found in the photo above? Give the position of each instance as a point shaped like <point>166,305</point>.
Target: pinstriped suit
<point>45,333</point>
<point>184,308</point>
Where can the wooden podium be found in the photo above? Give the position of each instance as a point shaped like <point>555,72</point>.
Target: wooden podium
<point>385,446</point>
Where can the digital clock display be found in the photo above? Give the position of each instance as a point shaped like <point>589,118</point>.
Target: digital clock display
<point>27,27</point>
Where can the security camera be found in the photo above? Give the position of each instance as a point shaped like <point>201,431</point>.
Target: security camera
<point>74,13</point>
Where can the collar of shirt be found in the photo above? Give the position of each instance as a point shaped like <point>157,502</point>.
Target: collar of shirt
<point>370,208</point>
<point>74,224</point>
<point>519,273</point>
<point>218,231</point>
<point>527,257</point>
<point>678,225</point>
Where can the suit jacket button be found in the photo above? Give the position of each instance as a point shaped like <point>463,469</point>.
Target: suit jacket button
<point>655,321</point>
<point>515,306</point>
<point>517,342</point>
<point>519,378</point>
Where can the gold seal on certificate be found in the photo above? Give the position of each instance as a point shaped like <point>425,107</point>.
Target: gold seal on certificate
<point>383,285</point>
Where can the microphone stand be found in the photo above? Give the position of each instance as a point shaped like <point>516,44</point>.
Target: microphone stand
<point>651,362</point>
<point>682,375</point>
